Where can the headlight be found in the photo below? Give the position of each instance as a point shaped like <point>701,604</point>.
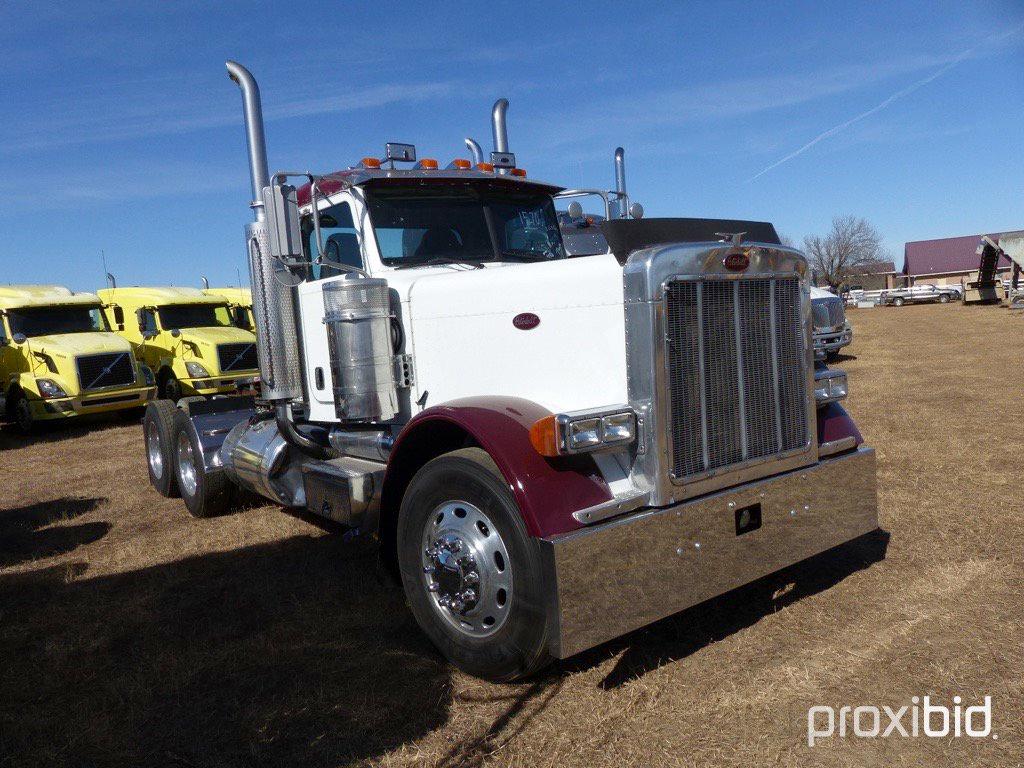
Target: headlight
<point>196,370</point>
<point>147,375</point>
<point>583,431</point>
<point>829,386</point>
<point>50,389</point>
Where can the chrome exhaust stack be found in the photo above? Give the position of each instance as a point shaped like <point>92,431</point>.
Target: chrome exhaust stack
<point>499,130</point>
<point>273,301</point>
<point>474,149</point>
<point>620,183</point>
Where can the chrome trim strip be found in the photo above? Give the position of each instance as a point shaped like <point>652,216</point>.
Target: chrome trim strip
<point>775,365</point>
<point>837,446</point>
<point>609,579</point>
<point>741,385</point>
<point>610,508</point>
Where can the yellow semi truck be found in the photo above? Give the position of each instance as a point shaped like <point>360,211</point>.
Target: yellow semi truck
<point>186,337</point>
<point>59,359</point>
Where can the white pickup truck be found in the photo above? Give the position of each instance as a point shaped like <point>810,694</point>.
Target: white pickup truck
<point>919,294</point>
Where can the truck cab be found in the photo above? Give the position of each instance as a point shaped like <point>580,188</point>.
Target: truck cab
<point>187,338</point>
<point>59,359</point>
<point>551,451</point>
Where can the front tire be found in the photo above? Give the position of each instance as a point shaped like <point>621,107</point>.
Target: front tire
<point>471,572</point>
<point>21,413</point>
<point>158,431</point>
<point>170,388</point>
<point>944,299</point>
<point>897,302</point>
<point>206,494</point>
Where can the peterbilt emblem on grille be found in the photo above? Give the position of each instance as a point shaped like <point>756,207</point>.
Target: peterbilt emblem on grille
<point>526,321</point>
<point>736,261</point>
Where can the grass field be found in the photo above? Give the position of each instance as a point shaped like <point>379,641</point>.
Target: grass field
<point>133,635</point>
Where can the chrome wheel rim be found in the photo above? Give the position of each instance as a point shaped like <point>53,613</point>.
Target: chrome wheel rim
<point>156,458</point>
<point>186,465</point>
<point>466,569</point>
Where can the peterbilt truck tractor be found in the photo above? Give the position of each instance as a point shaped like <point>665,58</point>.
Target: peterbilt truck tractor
<point>550,452</point>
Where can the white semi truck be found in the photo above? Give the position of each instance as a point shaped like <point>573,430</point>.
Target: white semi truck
<point>551,452</point>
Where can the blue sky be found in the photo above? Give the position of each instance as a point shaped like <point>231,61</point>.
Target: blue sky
<point>120,131</point>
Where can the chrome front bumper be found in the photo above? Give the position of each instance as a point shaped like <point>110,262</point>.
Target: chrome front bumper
<point>612,578</point>
<point>832,340</point>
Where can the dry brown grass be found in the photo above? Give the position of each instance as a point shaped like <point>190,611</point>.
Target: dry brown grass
<point>131,634</point>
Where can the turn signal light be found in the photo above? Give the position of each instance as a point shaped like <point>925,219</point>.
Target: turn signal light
<point>427,164</point>
<point>544,435</point>
<point>370,162</point>
<point>521,172</point>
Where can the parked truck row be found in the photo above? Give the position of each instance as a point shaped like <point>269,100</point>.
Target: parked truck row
<point>550,451</point>
<point>65,354</point>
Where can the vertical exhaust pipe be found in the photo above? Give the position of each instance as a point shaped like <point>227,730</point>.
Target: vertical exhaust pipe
<point>259,175</point>
<point>499,128</point>
<point>620,182</point>
<point>206,282</point>
<point>475,151</point>
<point>273,300</point>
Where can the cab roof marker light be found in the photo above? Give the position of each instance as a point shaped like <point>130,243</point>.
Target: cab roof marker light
<point>426,164</point>
<point>460,164</point>
<point>369,162</point>
<point>485,167</point>
<point>520,172</point>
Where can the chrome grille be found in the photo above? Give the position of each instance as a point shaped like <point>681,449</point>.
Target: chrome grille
<point>114,369</point>
<point>735,356</point>
<point>828,312</point>
<point>237,357</point>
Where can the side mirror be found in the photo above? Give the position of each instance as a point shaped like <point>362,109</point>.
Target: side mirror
<point>636,211</point>
<point>119,317</point>
<point>575,210</point>
<point>140,316</point>
<point>18,338</point>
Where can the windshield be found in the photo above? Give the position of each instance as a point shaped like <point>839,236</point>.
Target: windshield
<point>54,320</point>
<point>193,315</point>
<point>426,224</point>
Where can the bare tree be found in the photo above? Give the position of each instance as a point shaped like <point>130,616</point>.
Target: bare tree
<point>850,245</point>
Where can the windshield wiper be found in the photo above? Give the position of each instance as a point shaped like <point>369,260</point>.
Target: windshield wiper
<point>524,254</point>
<point>441,260</point>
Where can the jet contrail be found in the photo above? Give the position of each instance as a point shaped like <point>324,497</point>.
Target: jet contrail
<point>879,107</point>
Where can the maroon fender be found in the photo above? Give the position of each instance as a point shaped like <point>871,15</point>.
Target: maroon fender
<point>548,491</point>
<point>834,423</point>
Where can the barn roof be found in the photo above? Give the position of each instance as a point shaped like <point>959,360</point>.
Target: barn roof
<point>948,254</point>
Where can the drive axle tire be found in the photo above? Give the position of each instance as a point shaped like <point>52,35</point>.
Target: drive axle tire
<point>170,388</point>
<point>206,494</point>
<point>158,431</point>
<point>471,572</point>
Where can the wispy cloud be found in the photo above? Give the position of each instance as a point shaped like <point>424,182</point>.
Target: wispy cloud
<point>112,120</point>
<point>903,92</point>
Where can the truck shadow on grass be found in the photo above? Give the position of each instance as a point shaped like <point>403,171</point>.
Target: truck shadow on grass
<point>25,535</point>
<point>685,633</point>
<point>297,652</point>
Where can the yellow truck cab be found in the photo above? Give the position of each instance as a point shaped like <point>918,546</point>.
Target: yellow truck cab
<point>59,359</point>
<point>239,305</point>
<point>186,337</point>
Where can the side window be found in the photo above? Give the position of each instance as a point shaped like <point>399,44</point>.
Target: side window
<point>3,329</point>
<point>147,321</point>
<point>341,244</point>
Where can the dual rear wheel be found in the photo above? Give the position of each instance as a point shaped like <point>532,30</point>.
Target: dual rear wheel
<point>175,462</point>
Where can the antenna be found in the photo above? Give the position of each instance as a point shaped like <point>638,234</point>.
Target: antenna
<point>103,258</point>
<point>239,276</point>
